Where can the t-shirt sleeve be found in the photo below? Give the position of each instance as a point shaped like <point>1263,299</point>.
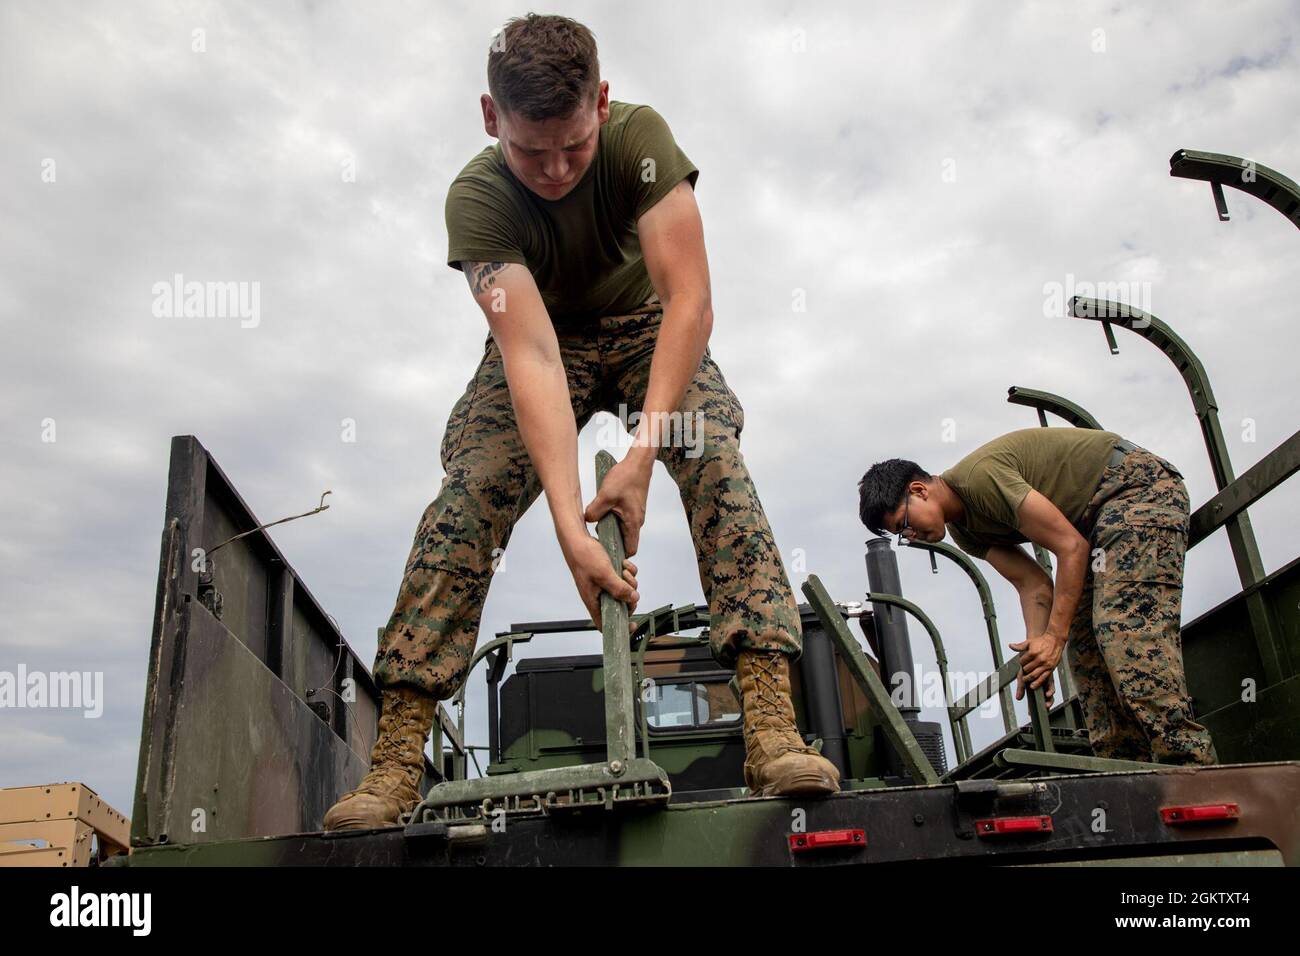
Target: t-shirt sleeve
<point>996,489</point>
<point>481,226</point>
<point>969,544</point>
<point>653,161</point>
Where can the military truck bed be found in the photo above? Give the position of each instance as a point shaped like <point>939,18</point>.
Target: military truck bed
<point>1112,818</point>
<point>258,715</point>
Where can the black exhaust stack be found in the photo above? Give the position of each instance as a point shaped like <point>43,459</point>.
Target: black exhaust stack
<point>895,648</point>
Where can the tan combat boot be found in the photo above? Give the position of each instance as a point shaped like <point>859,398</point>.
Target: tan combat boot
<point>777,761</point>
<point>392,787</point>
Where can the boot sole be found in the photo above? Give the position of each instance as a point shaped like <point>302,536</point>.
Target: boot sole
<point>801,785</point>
<point>361,825</point>
<point>355,817</point>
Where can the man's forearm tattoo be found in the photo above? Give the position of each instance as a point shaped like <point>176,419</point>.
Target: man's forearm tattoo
<point>481,276</point>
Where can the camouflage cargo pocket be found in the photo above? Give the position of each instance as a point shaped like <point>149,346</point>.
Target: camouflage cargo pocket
<point>1147,543</point>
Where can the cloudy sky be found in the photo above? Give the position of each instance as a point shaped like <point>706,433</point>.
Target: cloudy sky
<point>917,173</point>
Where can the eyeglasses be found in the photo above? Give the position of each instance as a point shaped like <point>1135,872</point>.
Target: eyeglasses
<point>905,531</point>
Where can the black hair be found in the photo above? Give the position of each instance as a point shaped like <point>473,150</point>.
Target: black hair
<point>883,488</point>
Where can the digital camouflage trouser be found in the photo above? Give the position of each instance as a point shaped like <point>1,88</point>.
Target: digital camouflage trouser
<point>1125,640</point>
<point>490,482</point>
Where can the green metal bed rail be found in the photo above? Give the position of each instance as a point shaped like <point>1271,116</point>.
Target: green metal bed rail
<point>1241,536</point>
<point>1228,507</point>
<point>955,555</point>
<point>1044,758</point>
<point>506,644</point>
<point>662,620</point>
<point>1045,402</point>
<point>960,730</point>
<point>1221,169</point>
<point>998,682</point>
<point>1079,417</point>
<point>896,730</point>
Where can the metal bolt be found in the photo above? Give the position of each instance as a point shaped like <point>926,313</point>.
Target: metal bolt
<point>919,819</point>
<point>616,767</point>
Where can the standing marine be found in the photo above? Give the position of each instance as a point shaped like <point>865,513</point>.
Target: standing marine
<point>581,241</point>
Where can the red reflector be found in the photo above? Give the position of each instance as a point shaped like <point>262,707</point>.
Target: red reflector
<point>825,839</point>
<point>1206,813</point>
<point>999,825</point>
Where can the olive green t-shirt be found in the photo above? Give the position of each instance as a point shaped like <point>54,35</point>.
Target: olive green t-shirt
<point>1064,465</point>
<point>582,249</point>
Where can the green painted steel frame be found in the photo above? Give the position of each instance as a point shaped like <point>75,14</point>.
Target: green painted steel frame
<point>1241,536</point>
<point>622,778</point>
<point>955,555</point>
<point>960,729</point>
<point>507,643</point>
<point>620,725</point>
<point>662,620</point>
<point>1076,415</point>
<point>895,728</point>
<point>1261,478</point>
<point>1222,169</point>
<point>1079,417</point>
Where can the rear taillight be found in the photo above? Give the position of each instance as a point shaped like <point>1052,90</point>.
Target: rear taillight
<point>827,839</point>
<point>1204,813</point>
<point>998,826</point>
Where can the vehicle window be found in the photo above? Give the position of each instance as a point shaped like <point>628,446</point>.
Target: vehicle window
<point>715,704</point>
<point>687,704</point>
<point>670,705</point>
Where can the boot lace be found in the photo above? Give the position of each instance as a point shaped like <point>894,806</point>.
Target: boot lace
<point>394,737</point>
<point>398,756</point>
<point>767,683</point>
